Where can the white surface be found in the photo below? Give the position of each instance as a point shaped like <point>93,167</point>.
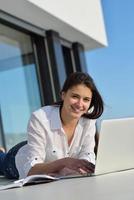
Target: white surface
<point>76,21</point>
<point>115,186</point>
<point>116,145</point>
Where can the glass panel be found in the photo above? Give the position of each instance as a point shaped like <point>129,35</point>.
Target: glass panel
<point>67,60</point>
<point>19,92</point>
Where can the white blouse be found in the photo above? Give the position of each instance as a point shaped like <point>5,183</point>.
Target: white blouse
<point>47,140</point>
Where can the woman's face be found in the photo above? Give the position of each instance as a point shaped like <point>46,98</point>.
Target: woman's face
<point>76,101</point>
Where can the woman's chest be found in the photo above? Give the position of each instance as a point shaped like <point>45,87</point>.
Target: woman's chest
<point>57,146</point>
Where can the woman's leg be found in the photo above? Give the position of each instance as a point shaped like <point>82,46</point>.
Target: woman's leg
<point>10,170</point>
<point>2,158</point>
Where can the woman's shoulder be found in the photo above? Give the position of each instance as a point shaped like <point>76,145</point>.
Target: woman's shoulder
<point>45,112</point>
<point>44,109</point>
<point>86,121</point>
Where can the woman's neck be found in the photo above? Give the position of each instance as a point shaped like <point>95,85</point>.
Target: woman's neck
<point>67,120</point>
<point>69,125</point>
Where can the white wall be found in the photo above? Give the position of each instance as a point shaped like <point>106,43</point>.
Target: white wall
<point>75,20</point>
<point>83,15</point>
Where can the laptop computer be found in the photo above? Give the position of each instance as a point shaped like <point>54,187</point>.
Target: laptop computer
<point>116,146</point>
<point>115,149</point>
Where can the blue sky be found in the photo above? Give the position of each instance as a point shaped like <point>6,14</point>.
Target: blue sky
<point>113,67</point>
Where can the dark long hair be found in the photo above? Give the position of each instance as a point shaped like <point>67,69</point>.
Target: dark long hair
<point>96,107</point>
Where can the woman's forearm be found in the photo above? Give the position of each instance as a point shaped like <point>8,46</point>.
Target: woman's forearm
<point>47,168</point>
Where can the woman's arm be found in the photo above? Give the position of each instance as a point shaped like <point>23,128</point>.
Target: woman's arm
<point>76,165</point>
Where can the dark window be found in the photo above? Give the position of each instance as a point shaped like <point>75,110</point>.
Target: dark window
<point>68,60</point>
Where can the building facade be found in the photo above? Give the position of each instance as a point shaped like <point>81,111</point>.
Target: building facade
<point>41,43</point>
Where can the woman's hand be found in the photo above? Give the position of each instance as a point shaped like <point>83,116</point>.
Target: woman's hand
<point>78,165</point>
<point>66,172</point>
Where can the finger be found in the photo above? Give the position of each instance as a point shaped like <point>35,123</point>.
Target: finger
<point>82,171</point>
<point>89,165</point>
<point>88,168</point>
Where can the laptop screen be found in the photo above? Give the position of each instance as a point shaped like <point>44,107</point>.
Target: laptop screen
<point>116,146</point>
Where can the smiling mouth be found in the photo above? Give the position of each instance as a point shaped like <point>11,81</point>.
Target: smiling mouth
<point>75,110</point>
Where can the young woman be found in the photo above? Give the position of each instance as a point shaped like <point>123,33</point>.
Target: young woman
<point>61,137</point>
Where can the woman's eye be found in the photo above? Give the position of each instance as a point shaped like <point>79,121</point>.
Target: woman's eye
<point>87,100</point>
<point>74,96</point>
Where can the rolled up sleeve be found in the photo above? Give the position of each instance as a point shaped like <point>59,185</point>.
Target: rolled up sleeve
<point>88,143</point>
<point>34,152</point>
